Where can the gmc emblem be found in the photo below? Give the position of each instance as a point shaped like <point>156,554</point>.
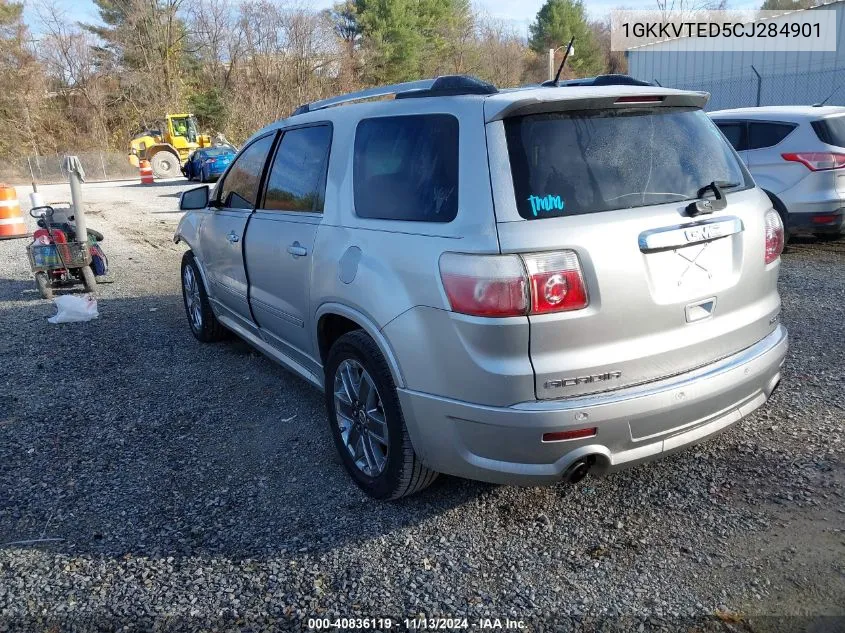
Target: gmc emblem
<point>703,232</point>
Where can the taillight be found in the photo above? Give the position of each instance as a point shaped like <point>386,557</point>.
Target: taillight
<point>556,282</point>
<point>513,285</point>
<point>817,161</point>
<point>485,285</point>
<point>774,235</point>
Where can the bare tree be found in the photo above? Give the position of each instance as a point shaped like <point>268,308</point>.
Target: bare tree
<point>68,55</point>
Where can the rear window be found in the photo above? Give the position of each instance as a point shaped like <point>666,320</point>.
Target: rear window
<point>406,168</point>
<point>570,163</point>
<point>831,131</point>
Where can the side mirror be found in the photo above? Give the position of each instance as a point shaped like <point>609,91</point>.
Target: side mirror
<point>194,199</point>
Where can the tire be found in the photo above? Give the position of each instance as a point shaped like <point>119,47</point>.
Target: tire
<point>88,279</point>
<point>204,325</point>
<point>165,164</point>
<point>42,282</point>
<point>829,237</point>
<point>401,472</point>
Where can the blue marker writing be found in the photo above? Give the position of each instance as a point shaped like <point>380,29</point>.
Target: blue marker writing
<point>546,203</point>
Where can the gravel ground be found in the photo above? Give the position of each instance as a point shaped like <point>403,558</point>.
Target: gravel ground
<point>153,483</point>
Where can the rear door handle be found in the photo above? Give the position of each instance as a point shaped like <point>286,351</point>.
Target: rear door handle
<point>233,237</point>
<point>297,250</point>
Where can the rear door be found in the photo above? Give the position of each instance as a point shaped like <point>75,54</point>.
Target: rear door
<point>767,141</point>
<point>280,240</point>
<point>222,231</point>
<point>667,292</point>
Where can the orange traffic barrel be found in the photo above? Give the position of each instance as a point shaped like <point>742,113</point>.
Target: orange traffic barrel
<point>12,224</point>
<point>146,172</point>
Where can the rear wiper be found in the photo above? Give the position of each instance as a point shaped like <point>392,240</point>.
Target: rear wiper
<point>702,205</point>
<point>727,184</point>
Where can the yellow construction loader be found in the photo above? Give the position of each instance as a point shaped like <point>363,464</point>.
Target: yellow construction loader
<point>168,144</point>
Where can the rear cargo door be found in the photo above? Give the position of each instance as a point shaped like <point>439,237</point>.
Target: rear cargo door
<point>831,131</point>
<point>668,292</point>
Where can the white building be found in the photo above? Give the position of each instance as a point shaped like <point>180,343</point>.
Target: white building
<point>747,78</point>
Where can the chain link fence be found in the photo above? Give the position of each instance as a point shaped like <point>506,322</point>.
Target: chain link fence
<point>749,88</point>
<point>98,166</point>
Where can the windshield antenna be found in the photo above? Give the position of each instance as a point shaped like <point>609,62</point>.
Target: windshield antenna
<point>565,55</point>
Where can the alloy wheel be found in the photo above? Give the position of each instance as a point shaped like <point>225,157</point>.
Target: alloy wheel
<point>360,417</point>
<point>192,297</point>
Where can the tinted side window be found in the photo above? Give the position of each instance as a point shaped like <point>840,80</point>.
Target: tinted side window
<point>735,133</point>
<point>240,188</point>
<point>762,135</point>
<point>831,131</point>
<point>406,168</point>
<point>297,180</point>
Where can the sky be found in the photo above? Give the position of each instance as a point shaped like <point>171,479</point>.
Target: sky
<point>518,12</point>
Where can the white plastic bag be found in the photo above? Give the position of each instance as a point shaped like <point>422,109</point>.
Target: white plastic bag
<point>72,309</point>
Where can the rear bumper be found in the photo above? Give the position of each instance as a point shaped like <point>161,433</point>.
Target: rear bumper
<point>504,444</point>
<point>818,221</point>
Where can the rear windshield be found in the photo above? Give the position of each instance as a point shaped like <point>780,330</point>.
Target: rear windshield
<point>219,151</point>
<point>569,163</point>
<point>831,131</point>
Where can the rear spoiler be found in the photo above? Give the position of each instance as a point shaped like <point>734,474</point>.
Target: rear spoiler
<point>562,99</point>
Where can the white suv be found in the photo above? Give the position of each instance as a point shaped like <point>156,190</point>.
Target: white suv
<point>796,154</point>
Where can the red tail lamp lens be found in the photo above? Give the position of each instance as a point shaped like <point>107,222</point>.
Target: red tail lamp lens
<point>576,434</point>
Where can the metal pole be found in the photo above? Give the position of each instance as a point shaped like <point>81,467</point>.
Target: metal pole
<point>76,176</point>
<point>759,84</point>
<point>551,63</point>
<point>103,164</point>
<point>78,209</point>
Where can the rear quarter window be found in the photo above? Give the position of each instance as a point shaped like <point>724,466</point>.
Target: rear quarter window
<point>406,168</point>
<point>762,135</point>
<point>588,161</point>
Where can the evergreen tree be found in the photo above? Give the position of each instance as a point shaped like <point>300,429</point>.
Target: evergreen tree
<point>557,22</point>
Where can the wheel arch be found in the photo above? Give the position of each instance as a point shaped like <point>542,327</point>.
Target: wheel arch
<point>333,320</point>
<point>777,203</point>
<point>178,238</point>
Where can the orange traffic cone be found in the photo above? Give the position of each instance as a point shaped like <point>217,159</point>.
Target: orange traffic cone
<point>146,172</point>
<point>12,224</point>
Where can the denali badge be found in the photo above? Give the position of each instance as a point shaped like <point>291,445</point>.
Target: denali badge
<point>582,380</point>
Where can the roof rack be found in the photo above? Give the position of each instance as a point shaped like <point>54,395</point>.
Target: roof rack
<point>600,80</point>
<point>446,85</point>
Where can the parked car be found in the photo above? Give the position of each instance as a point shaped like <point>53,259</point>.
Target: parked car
<point>796,154</point>
<point>519,287</point>
<point>209,164</point>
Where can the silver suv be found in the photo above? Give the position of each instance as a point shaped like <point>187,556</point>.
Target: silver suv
<point>516,286</point>
<point>796,154</point>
